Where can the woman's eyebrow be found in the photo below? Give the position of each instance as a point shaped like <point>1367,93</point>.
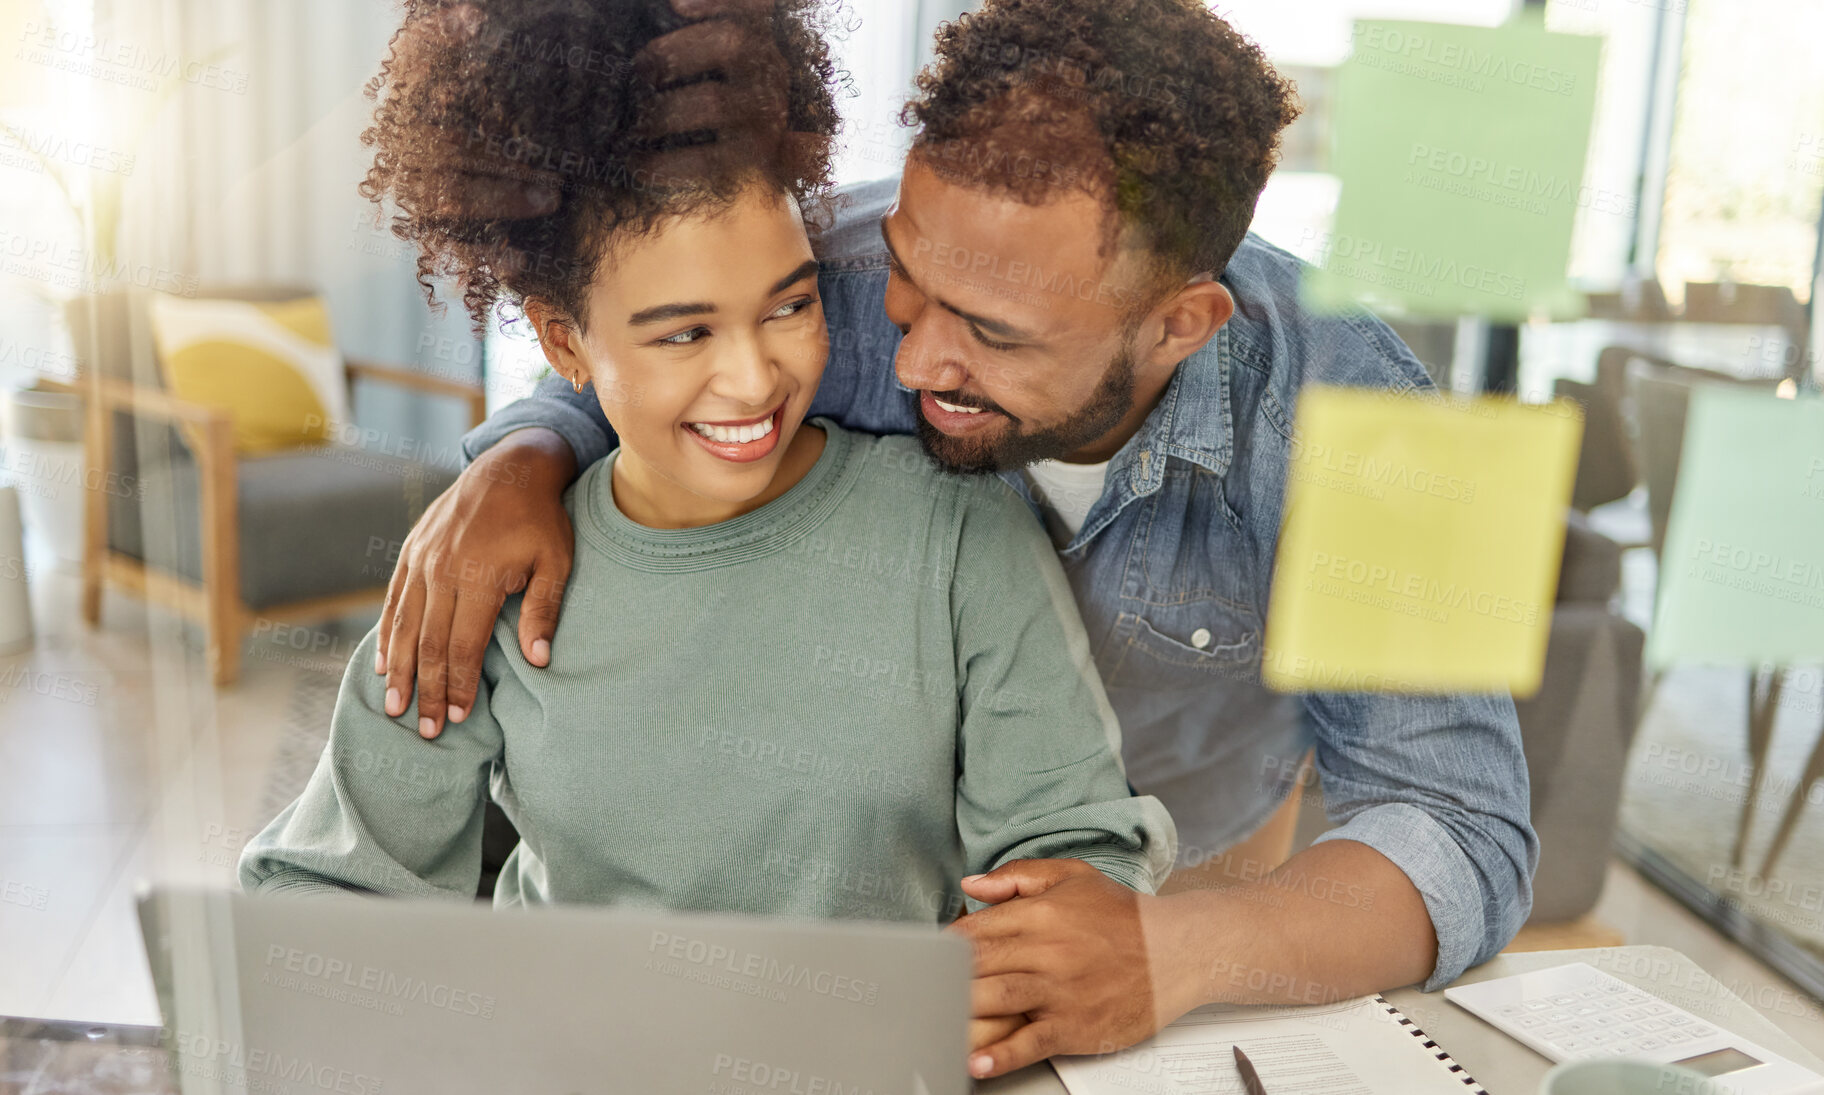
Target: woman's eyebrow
<point>807,269</point>
<point>659,313</point>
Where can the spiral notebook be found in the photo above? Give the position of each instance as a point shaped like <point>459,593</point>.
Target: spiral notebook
<point>1363,1046</point>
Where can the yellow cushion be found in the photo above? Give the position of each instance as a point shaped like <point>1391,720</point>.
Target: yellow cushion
<point>273,366</point>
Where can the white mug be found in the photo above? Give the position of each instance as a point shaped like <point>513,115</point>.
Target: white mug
<point>1621,1076</point>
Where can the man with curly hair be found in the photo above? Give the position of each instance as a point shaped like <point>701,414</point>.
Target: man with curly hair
<point>1061,289</point>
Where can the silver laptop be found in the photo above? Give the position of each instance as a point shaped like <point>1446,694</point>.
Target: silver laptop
<point>370,996</point>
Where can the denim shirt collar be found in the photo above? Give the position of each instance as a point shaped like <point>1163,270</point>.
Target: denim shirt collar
<point>1190,421</point>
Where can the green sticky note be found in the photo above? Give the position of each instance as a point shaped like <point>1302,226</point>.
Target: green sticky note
<point>1742,573</point>
<point>1461,154</point>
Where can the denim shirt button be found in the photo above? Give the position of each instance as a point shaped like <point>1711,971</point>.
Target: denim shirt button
<point>1200,638</point>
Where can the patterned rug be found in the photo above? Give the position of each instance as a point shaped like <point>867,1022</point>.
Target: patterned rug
<point>304,731</point>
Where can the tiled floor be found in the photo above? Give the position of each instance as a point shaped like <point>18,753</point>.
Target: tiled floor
<point>118,763</point>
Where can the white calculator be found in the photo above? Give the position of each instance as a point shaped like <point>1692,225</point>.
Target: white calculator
<point>1572,1012</point>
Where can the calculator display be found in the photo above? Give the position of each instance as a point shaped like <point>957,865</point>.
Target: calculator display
<point>1718,1063</point>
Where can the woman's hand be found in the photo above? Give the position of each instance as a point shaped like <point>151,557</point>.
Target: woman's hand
<point>500,529</point>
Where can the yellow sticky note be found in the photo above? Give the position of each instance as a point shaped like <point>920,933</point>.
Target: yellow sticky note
<point>1421,543</point>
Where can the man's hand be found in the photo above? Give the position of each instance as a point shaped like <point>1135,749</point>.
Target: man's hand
<point>500,529</point>
<point>1071,950</point>
<point>720,72</point>
<point>1096,967</point>
<point>986,1032</point>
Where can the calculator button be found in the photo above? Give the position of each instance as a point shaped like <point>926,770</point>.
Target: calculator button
<point>1630,1015</point>
<point>1702,1031</point>
<point>1653,1025</point>
<point>1604,1019</point>
<point>1657,1008</point>
<point>1570,1043</point>
<point>1651,1042</point>
<point>1562,999</point>
<point>1678,1020</point>
<point>1535,1005</point>
<point>1530,1022</point>
<point>1634,999</point>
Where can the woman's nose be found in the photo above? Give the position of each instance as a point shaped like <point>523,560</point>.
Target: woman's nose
<point>749,377</point>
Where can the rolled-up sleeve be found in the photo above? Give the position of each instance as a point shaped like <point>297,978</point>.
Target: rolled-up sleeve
<point>1438,785</point>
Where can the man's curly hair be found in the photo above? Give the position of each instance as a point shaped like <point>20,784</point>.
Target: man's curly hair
<point>1157,107</point>
<point>546,93</point>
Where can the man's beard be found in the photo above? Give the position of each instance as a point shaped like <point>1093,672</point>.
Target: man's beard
<point>1015,448</point>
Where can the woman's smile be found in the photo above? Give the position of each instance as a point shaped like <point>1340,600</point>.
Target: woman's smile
<point>740,442</point>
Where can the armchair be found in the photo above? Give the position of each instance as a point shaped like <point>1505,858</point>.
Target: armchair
<point>176,516</point>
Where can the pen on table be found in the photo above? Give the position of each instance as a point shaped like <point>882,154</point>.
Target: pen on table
<point>1249,1078</point>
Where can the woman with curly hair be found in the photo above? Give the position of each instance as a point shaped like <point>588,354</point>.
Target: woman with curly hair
<point>717,727</point>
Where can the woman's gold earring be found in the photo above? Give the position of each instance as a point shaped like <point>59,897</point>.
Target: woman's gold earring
<point>577,383</point>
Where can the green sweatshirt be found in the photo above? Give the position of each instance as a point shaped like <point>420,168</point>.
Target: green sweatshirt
<point>836,705</point>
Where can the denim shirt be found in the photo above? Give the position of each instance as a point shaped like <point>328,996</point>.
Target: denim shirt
<point>1171,570</point>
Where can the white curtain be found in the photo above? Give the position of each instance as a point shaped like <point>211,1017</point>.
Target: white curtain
<point>882,44</point>
<point>246,172</point>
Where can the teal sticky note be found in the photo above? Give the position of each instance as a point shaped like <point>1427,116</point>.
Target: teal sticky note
<point>1742,575</point>
<point>1461,153</point>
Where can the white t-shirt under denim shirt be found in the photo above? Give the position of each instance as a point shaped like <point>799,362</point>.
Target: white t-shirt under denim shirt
<point>1067,491</point>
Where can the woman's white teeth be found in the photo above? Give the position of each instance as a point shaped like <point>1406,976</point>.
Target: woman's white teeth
<point>736,435</point>
<point>952,408</point>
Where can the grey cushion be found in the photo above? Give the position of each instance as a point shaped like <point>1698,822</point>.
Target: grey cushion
<point>1591,572</point>
<point>314,522</point>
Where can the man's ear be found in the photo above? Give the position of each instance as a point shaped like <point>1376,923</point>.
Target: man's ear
<point>557,337</point>
<point>1188,319</point>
